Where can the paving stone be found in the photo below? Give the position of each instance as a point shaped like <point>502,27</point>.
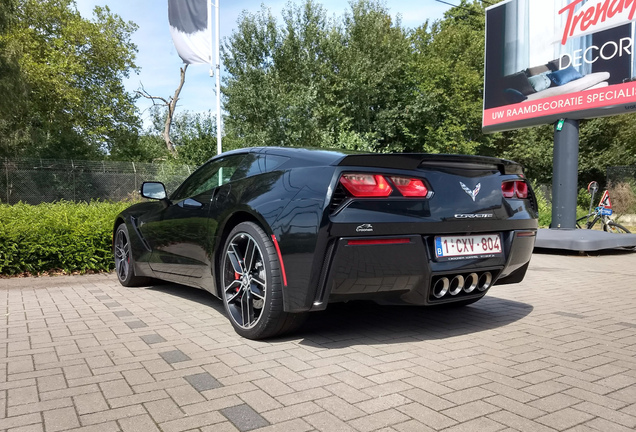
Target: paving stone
<point>244,417</point>
<point>21,420</point>
<point>340,408</point>
<point>164,410</point>
<point>324,421</point>
<point>174,356</point>
<point>60,419</point>
<point>192,422</point>
<point>29,428</point>
<point>565,418</point>
<point>112,415</point>
<point>115,389</point>
<point>185,395</point>
<point>22,395</point>
<point>203,381</point>
<point>142,423</point>
<point>90,403</point>
<point>136,324</point>
<point>291,412</point>
<point>138,376</point>
<point>543,360</point>
<point>123,313</point>
<point>378,420</point>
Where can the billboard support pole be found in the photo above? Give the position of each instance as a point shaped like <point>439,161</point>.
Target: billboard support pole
<point>563,234</point>
<point>565,174</point>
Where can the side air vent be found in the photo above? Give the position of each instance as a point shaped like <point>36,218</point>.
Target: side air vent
<point>533,200</point>
<point>339,196</point>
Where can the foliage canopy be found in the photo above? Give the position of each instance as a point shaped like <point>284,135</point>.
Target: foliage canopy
<point>67,96</point>
<point>362,81</point>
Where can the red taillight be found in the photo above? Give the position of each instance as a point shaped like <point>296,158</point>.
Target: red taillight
<point>513,188</point>
<point>522,189</point>
<point>366,185</point>
<point>410,187</point>
<point>508,189</point>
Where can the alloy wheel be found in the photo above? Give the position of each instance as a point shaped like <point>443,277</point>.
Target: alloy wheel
<point>122,255</point>
<point>244,280</point>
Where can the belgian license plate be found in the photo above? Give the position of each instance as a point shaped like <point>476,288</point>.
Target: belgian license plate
<point>468,246</point>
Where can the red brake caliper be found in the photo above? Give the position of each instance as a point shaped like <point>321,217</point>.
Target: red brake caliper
<point>237,277</point>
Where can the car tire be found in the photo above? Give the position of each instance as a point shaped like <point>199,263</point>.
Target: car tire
<point>124,261</point>
<point>251,284</point>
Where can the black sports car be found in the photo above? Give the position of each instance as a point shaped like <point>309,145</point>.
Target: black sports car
<point>278,232</point>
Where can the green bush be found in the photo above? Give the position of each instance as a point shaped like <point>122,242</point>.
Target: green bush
<point>62,236</point>
<point>583,199</point>
<point>545,211</point>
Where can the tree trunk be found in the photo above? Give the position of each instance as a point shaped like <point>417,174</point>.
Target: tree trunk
<point>171,107</point>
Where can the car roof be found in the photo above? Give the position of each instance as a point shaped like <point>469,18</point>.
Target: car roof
<point>323,157</point>
<point>312,156</point>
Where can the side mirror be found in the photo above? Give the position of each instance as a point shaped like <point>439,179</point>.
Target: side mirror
<point>153,190</point>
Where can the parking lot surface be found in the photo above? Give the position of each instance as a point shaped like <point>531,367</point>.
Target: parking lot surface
<point>556,352</point>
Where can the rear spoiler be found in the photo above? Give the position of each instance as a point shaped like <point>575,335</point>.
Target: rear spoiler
<point>412,161</point>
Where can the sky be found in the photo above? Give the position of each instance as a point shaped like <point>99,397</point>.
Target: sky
<point>159,62</point>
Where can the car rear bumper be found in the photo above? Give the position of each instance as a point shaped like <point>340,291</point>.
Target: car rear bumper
<point>404,270</point>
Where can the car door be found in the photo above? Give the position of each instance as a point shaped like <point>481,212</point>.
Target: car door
<point>184,233</point>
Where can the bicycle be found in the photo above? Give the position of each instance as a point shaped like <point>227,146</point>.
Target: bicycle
<point>602,213</point>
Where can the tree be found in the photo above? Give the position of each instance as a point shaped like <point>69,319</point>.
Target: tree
<point>363,82</point>
<point>74,103</point>
<point>317,81</point>
<point>171,105</point>
<point>193,136</point>
<point>11,86</point>
<point>374,84</point>
<point>448,68</point>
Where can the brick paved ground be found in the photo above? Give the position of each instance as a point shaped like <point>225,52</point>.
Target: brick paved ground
<point>556,352</point>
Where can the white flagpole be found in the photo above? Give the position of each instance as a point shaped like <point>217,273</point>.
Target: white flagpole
<point>219,147</point>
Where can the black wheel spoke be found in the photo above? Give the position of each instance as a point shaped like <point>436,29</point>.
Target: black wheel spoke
<point>233,286</point>
<point>250,250</point>
<point>246,309</point>
<point>122,270</point>
<point>235,259</point>
<point>257,294</point>
<point>259,282</point>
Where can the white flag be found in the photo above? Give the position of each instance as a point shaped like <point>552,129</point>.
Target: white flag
<point>190,30</point>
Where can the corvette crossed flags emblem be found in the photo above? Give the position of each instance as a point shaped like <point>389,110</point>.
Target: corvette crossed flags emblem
<point>472,193</point>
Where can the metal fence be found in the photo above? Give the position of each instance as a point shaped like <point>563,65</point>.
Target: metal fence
<point>34,181</point>
<point>620,174</point>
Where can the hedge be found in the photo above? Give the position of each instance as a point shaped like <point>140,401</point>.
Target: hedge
<point>52,237</point>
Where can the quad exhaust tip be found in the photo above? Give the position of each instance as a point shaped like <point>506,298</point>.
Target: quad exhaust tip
<point>441,287</point>
<point>485,280</point>
<point>456,284</point>
<point>471,283</point>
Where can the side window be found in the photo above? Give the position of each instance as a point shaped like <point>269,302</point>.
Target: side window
<point>250,165</point>
<point>214,173</point>
<point>273,161</point>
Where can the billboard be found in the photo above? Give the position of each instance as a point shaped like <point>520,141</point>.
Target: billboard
<point>552,59</point>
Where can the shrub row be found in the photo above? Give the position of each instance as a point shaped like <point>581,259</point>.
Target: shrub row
<point>62,236</point>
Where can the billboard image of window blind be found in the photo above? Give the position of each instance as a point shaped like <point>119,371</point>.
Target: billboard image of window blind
<point>552,59</point>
